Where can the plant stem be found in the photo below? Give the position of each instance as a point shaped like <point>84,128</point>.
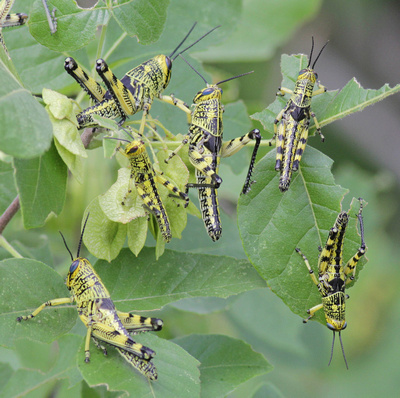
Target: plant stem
<point>9,214</point>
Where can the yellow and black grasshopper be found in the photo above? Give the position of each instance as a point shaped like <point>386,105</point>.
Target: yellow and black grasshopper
<point>104,323</point>
<point>206,149</point>
<point>133,93</point>
<point>145,179</point>
<point>333,277</point>
<point>8,20</point>
<point>292,123</point>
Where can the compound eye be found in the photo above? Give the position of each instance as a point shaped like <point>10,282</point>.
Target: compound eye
<point>316,76</point>
<point>133,149</point>
<point>73,266</point>
<point>168,61</point>
<point>208,91</point>
<point>330,327</point>
<point>220,90</point>
<point>302,71</point>
<point>344,326</point>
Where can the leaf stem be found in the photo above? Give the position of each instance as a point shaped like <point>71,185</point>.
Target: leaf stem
<point>101,41</point>
<point>9,248</point>
<point>115,45</point>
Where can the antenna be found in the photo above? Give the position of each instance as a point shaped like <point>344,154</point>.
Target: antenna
<point>80,240</point>
<point>184,39</point>
<point>319,55</point>
<point>312,49</point>
<point>202,37</point>
<point>344,356</point>
<point>205,81</point>
<point>65,243</point>
<point>222,81</point>
<point>234,77</point>
<point>341,344</point>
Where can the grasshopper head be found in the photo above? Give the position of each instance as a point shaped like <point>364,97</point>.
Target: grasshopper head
<point>309,75</point>
<point>135,148</point>
<point>212,91</point>
<point>79,267</point>
<point>165,64</point>
<point>335,324</point>
<point>342,219</point>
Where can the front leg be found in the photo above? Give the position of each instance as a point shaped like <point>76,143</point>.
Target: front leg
<point>50,303</point>
<point>179,104</point>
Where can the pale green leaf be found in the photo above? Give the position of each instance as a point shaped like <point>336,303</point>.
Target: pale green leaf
<point>111,201</point>
<point>103,238</point>
<point>73,162</point>
<point>137,232</point>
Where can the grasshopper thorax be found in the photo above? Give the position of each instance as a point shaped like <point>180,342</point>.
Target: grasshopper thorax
<point>135,148</point>
<point>212,91</point>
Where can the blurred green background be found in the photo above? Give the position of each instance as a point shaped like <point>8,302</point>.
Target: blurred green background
<point>363,42</point>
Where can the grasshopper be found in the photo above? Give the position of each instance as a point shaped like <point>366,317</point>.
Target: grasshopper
<point>145,179</point>
<point>8,20</point>
<point>292,123</point>
<point>133,93</point>
<point>206,148</point>
<point>103,321</point>
<point>333,277</point>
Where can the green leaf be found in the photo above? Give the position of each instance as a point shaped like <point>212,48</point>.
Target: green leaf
<point>273,224</point>
<point>178,375</point>
<point>329,106</point>
<point>225,362</point>
<point>142,18</point>
<point>26,131</point>
<point>143,283</point>
<point>76,27</point>
<point>103,237</point>
<point>41,186</point>
<point>26,284</point>
<point>25,381</point>
<point>37,66</point>
<point>7,188</point>
<point>261,20</point>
